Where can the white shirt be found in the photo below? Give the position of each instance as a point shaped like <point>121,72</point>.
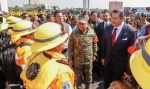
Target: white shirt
<point>69,33</point>
<point>105,23</point>
<point>118,31</point>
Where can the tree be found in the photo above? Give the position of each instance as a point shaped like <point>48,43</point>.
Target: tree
<point>43,7</point>
<point>17,9</point>
<point>31,9</point>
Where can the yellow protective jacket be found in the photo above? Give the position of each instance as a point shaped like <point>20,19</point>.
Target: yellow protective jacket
<point>23,52</point>
<point>53,73</point>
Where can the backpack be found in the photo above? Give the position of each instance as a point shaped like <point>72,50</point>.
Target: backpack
<point>8,64</point>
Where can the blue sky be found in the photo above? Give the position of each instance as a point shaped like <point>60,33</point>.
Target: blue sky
<point>103,4</point>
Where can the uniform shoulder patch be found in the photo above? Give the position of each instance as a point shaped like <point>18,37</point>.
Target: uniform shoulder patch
<point>32,71</point>
<point>66,85</point>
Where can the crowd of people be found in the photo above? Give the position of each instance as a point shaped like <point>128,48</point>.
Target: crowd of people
<point>60,50</point>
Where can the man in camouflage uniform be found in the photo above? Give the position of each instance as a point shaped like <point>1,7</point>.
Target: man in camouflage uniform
<point>82,50</point>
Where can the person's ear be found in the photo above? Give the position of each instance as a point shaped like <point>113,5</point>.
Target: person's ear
<point>123,18</point>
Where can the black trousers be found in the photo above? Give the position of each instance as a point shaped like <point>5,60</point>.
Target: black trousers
<point>3,79</point>
<point>112,72</point>
<point>98,67</point>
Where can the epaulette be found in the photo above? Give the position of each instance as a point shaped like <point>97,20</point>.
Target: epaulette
<point>62,61</point>
<point>24,44</point>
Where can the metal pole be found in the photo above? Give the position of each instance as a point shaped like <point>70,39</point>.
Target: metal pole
<point>88,5</point>
<point>29,2</point>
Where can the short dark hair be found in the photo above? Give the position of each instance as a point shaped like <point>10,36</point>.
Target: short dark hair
<point>138,23</point>
<point>118,11</point>
<point>93,12</point>
<point>105,11</point>
<point>74,17</point>
<point>49,16</point>
<point>39,9</point>
<point>56,12</point>
<point>40,16</point>
<point>23,14</point>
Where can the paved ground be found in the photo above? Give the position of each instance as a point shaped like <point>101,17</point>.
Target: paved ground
<point>97,82</point>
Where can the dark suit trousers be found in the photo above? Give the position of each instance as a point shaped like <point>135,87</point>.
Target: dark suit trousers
<point>112,72</point>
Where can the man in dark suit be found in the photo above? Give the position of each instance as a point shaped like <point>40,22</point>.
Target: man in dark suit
<point>102,25</point>
<point>94,20</point>
<point>117,38</point>
<point>100,34</point>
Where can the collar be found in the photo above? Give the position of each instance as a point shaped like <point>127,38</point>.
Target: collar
<point>120,27</point>
<point>106,22</point>
<point>55,54</point>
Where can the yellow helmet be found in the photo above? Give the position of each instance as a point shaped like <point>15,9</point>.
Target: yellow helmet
<point>140,65</point>
<point>22,28</point>
<point>9,18</point>
<point>13,21</point>
<point>47,36</point>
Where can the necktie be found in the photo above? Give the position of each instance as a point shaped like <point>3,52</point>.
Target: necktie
<point>113,36</point>
<point>106,24</point>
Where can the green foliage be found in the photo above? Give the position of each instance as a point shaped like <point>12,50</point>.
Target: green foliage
<point>36,9</point>
<point>43,7</point>
<point>31,9</point>
<point>71,10</point>
<point>16,9</point>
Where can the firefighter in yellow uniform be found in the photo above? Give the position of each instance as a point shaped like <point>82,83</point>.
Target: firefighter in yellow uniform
<point>47,67</point>
<point>22,37</point>
<point>11,21</point>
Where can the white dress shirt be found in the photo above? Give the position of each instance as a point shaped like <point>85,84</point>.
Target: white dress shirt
<point>118,31</point>
<point>69,33</point>
<point>106,23</point>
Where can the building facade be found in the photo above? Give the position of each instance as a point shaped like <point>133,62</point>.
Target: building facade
<point>27,6</point>
<point>3,5</point>
<point>115,5</point>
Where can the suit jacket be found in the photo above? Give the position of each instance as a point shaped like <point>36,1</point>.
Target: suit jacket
<point>95,25</point>
<point>117,54</point>
<point>100,35</point>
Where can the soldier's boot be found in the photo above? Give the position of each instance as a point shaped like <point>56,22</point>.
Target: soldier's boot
<point>89,86</point>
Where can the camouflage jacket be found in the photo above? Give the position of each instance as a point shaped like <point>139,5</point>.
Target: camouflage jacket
<point>82,47</point>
